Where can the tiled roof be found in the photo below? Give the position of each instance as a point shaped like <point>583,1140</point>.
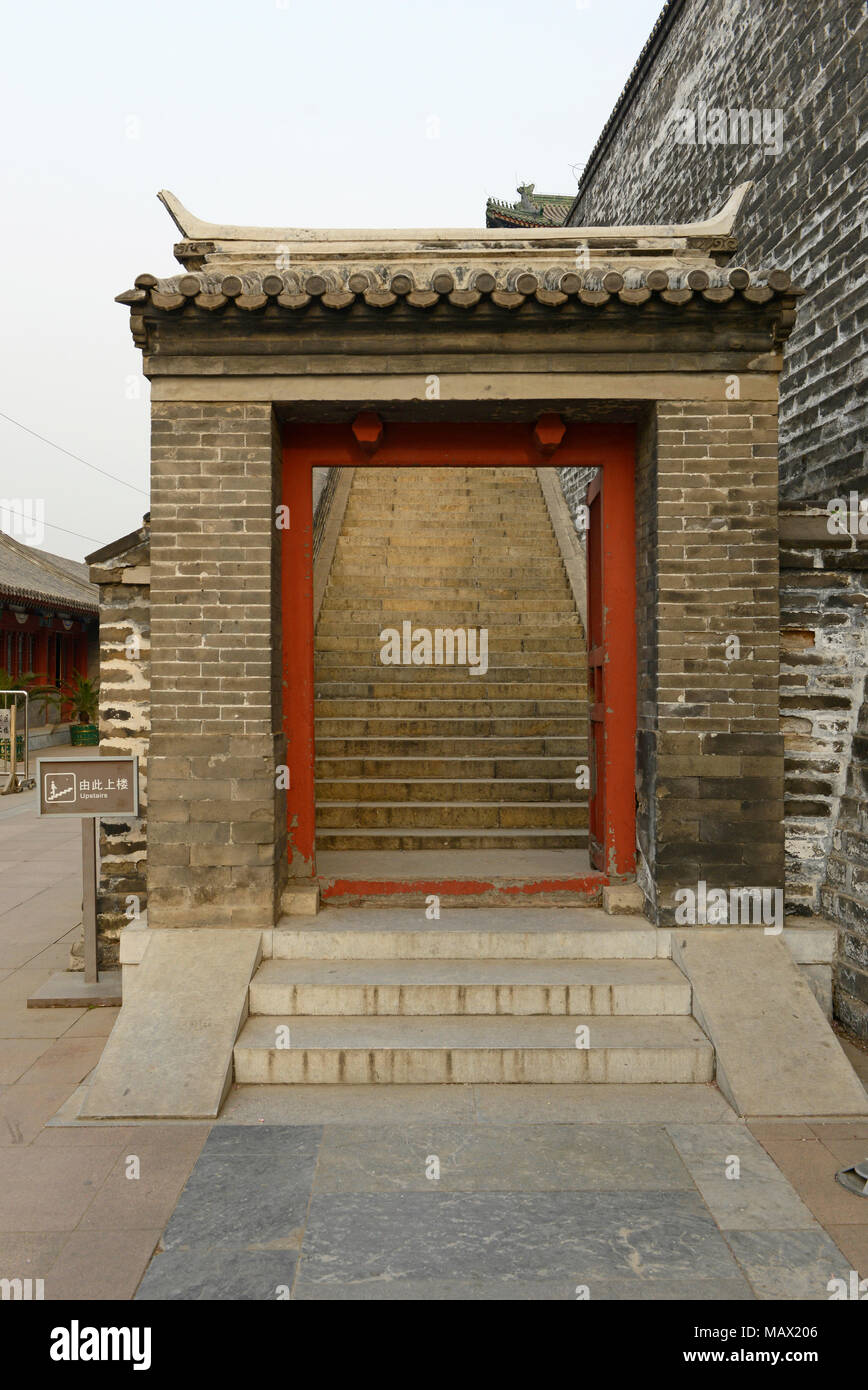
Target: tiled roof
<point>35,576</point>
<point>532,209</point>
<point>338,287</point>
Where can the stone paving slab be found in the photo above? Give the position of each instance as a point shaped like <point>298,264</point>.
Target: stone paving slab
<point>789,1264</point>
<point>523,1236</point>
<point>524,1212</point>
<point>528,1291</point>
<point>498,1158</point>
<point>222,1275</point>
<point>756,1196</point>
<point>248,1195</point>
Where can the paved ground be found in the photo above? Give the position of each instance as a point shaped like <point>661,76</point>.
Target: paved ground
<point>334,1193</point>
<point>486,1211</point>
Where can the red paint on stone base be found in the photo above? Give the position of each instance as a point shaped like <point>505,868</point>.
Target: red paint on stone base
<point>587,886</point>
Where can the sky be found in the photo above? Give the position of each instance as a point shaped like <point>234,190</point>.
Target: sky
<point>391,113</point>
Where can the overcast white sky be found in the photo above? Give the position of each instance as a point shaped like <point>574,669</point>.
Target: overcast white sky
<point>277,112</point>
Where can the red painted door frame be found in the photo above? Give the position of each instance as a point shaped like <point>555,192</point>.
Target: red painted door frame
<point>296,597</point>
<point>611,555</point>
<point>611,584</point>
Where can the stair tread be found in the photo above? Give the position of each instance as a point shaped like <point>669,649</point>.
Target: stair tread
<point>521,920</point>
<point>449,970</point>
<point>393,1031</point>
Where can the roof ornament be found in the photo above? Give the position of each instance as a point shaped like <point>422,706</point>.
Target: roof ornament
<point>193,228</point>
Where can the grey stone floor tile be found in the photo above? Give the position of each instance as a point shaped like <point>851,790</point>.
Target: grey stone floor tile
<point>498,1158</point>
<point>517,1236</point>
<point>225,1275</point>
<point>301,1142</point>
<point>760,1198</point>
<point>250,1194</point>
<point>524,1291</point>
<point>789,1264</point>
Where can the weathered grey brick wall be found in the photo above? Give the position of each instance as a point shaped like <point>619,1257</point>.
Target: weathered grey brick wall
<point>807,61</point>
<point>845,895</point>
<point>574,485</point>
<point>217,841</point>
<point>124,728</point>
<point>824,646</point>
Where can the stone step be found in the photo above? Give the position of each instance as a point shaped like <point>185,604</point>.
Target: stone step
<point>466,933</point>
<point>427,599</point>
<point>410,816</point>
<point>409,726</point>
<point>396,524</point>
<point>444,790</point>
<point>429,839</point>
<point>415,707</point>
<point>332,746</point>
<point>332,666</point>
<point>466,771</point>
<point>428,545</point>
<point>539,575</point>
<point>472,548</point>
<point>435,686</point>
<point>482,1049</point>
<point>469,987</point>
<point>547,626</point>
<point>512,641</point>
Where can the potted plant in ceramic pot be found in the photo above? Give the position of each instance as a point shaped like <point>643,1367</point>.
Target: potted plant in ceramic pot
<point>83,697</point>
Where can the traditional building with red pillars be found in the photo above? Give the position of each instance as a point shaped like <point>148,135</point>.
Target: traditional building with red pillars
<point>48,619</point>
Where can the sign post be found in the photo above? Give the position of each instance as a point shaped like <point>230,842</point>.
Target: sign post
<point>86,788</point>
<point>9,730</point>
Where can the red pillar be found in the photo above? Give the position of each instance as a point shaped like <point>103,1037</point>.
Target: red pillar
<point>618,558</point>
<point>296,591</point>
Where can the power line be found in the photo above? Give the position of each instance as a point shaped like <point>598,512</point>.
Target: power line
<point>50,524</point>
<point>77,458</point>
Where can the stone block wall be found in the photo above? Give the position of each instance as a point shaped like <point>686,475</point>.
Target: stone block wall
<point>805,62</point>
<point>824,647</point>
<point>124,725</point>
<point>217,846</point>
<point>845,893</point>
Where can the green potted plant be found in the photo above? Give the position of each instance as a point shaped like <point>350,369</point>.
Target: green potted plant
<point>83,697</point>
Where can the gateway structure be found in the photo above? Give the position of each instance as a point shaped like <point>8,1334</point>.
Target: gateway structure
<point>636,355</point>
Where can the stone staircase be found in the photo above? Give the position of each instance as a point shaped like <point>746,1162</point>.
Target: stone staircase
<point>482,995</point>
<point>430,757</point>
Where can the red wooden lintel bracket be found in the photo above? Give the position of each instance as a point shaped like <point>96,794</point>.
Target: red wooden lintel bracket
<point>368,431</point>
<point>548,433</point>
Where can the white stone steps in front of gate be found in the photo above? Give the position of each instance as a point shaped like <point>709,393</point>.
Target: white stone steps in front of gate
<point>469,987</point>
<point>359,1051</point>
<point>477,933</point>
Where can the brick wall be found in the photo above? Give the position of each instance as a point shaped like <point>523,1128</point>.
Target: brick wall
<point>217,842</point>
<point>711,755</point>
<point>804,212</point>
